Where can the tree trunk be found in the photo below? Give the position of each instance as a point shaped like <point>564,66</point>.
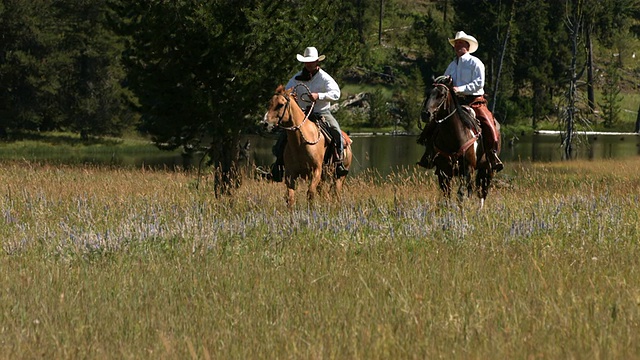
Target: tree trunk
<point>590,96</point>
<point>574,28</point>
<point>637,129</point>
<point>224,155</point>
<point>444,11</point>
<point>380,22</point>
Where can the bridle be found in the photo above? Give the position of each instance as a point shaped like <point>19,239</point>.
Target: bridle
<point>287,109</point>
<point>442,103</point>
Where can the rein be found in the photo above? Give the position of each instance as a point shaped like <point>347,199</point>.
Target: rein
<point>296,127</point>
<point>440,121</point>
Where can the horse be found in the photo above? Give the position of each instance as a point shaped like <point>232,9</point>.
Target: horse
<point>306,153</point>
<point>457,142</point>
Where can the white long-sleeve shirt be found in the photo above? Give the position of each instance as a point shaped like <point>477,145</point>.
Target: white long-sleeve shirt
<point>467,73</point>
<point>321,83</point>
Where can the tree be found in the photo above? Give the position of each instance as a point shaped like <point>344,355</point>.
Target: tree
<point>202,71</point>
<point>91,90</point>
<point>60,68</point>
<point>434,32</point>
<point>538,39</point>
<point>28,68</point>
<point>574,24</point>
<point>503,52</point>
<point>611,96</point>
<point>498,44</point>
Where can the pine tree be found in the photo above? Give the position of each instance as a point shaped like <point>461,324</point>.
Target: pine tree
<point>60,68</point>
<point>611,98</point>
<point>92,94</point>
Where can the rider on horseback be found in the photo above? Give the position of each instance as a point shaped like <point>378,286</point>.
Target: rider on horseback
<point>323,88</point>
<point>467,73</point>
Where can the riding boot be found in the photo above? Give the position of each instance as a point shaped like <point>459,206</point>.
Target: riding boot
<point>426,161</point>
<point>492,154</point>
<point>340,169</point>
<point>494,160</point>
<point>490,141</point>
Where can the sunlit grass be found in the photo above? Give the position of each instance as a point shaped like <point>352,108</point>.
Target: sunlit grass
<point>105,263</point>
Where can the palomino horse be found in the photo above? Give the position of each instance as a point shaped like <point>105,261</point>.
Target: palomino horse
<point>306,148</point>
<point>456,140</point>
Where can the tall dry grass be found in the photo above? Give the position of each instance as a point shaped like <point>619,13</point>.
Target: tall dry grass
<point>112,263</point>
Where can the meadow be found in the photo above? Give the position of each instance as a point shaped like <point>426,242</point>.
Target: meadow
<point>103,263</point>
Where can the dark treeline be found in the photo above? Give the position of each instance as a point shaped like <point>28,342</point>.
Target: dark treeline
<point>60,68</point>
<point>195,73</point>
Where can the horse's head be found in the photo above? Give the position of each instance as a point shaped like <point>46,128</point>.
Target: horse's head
<point>279,109</point>
<point>438,95</point>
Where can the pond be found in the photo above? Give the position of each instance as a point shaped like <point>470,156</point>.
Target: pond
<point>383,153</point>
<point>387,153</point>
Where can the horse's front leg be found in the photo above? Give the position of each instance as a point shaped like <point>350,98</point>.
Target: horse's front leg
<point>483,180</point>
<point>291,191</point>
<point>468,181</point>
<point>445,182</point>
<point>338,187</point>
<point>465,183</point>
<point>316,177</point>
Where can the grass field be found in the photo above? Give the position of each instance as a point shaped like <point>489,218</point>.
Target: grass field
<point>131,264</point>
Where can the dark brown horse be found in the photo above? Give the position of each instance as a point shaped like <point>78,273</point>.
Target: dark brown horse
<point>306,148</point>
<point>457,144</point>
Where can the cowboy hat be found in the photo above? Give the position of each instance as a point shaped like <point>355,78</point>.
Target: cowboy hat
<point>310,55</point>
<point>460,35</point>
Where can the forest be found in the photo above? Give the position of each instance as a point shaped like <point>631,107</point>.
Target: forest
<point>196,74</point>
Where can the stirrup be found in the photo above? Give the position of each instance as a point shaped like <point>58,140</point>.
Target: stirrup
<point>495,162</point>
<point>498,166</point>
<point>341,170</point>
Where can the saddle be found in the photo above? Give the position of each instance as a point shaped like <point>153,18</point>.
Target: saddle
<point>327,133</point>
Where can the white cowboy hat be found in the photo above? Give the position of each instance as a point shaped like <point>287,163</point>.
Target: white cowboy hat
<point>310,55</point>
<point>460,35</point>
